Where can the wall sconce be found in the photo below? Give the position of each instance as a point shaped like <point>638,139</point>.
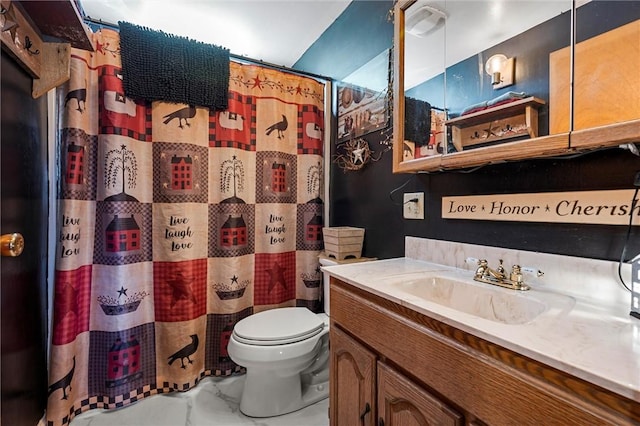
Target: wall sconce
<point>501,69</point>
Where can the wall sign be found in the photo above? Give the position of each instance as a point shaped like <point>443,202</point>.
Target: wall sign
<point>592,207</point>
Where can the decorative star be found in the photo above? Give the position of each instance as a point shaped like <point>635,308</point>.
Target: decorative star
<point>357,154</point>
<point>99,47</point>
<point>181,288</point>
<point>298,90</point>
<point>234,279</point>
<point>547,209</point>
<point>257,82</point>
<point>276,275</point>
<point>483,207</point>
<point>66,302</point>
<point>10,23</point>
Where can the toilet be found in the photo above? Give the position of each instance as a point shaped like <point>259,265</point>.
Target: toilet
<point>286,354</point>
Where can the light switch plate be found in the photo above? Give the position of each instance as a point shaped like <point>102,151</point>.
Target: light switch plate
<point>413,205</point>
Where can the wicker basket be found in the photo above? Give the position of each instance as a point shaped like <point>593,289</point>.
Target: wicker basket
<point>343,242</point>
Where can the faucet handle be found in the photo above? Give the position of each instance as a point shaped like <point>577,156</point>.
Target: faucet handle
<point>516,274</point>
<point>535,271</point>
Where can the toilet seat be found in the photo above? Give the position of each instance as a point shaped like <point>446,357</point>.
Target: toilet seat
<point>278,327</point>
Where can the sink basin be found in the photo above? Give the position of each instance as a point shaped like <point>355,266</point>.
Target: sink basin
<point>484,301</point>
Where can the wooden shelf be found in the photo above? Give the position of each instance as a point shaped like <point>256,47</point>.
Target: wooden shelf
<point>47,62</point>
<point>546,146</point>
<point>511,120</point>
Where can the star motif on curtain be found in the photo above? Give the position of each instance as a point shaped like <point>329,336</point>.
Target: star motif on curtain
<point>234,279</point>
<point>66,302</point>
<point>276,275</point>
<point>122,291</point>
<point>257,82</point>
<point>100,47</point>
<point>181,288</point>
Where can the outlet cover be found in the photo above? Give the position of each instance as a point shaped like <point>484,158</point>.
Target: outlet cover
<point>413,206</point>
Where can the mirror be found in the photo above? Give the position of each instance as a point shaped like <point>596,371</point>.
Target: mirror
<point>443,47</point>
<point>607,60</point>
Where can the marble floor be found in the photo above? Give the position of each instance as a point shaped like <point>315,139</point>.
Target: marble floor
<point>214,402</point>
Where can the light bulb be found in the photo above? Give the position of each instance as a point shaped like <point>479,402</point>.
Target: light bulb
<point>494,66</point>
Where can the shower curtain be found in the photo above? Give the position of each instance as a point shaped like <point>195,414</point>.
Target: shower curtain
<point>175,222</point>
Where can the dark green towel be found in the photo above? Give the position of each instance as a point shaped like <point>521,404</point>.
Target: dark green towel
<point>162,67</point>
<point>417,121</point>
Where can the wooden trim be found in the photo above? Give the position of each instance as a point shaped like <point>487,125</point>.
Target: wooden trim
<point>56,68</point>
<point>545,146</point>
<point>606,136</point>
<point>497,385</point>
<point>398,84</point>
<point>14,40</point>
<point>427,164</point>
<point>47,63</point>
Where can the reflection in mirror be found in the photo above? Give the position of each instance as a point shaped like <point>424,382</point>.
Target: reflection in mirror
<point>424,114</point>
<point>607,61</point>
<point>362,98</point>
<point>445,67</point>
<point>363,107</point>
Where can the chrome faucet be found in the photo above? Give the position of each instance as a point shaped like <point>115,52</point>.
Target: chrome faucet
<point>498,276</point>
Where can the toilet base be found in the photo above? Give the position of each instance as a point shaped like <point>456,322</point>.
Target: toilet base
<point>271,395</point>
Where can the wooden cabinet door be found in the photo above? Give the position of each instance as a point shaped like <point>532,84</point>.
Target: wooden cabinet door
<point>403,403</point>
<point>353,382</point>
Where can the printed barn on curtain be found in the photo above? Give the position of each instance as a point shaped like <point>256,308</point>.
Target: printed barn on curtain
<point>175,222</point>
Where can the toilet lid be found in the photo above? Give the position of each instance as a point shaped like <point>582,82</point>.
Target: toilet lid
<point>278,326</point>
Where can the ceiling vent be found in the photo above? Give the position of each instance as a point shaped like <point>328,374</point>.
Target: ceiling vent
<point>424,20</point>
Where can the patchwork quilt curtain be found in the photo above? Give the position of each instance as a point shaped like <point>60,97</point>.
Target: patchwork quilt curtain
<point>175,222</point>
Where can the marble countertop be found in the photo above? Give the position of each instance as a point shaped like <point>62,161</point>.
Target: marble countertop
<point>595,341</point>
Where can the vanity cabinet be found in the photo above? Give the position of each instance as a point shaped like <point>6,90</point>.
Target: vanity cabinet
<point>362,385</point>
<point>402,402</point>
<point>353,382</point>
<point>391,365</point>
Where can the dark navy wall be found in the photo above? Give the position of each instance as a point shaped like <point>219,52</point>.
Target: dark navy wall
<point>358,35</point>
<point>366,198</point>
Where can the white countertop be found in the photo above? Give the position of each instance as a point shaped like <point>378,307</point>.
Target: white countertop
<point>594,340</point>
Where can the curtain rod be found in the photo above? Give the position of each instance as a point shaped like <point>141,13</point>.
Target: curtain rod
<point>100,22</point>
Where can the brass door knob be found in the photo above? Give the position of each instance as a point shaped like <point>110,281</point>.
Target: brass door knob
<point>11,245</point>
